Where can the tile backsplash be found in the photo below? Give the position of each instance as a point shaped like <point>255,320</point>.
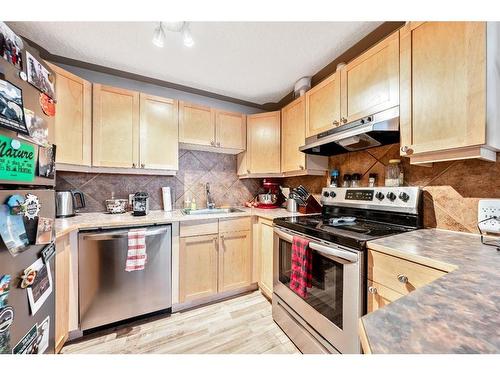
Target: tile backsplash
<point>451,189</point>
<point>195,169</point>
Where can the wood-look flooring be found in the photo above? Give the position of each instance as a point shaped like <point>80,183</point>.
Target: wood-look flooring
<point>242,325</point>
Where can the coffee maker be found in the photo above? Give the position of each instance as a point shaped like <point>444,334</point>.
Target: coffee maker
<point>140,204</point>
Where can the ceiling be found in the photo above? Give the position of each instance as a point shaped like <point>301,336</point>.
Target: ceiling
<point>257,62</point>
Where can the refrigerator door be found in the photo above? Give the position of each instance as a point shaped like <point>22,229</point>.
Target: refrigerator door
<point>24,321</point>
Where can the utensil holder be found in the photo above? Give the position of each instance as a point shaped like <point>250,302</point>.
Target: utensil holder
<point>312,206</point>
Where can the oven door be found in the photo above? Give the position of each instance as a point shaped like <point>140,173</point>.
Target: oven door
<point>333,304</point>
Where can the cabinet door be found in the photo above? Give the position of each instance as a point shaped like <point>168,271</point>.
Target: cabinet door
<point>62,281</point>
<point>115,127</point>
<point>380,296</point>
<point>266,257</point>
<point>293,123</point>
<point>73,120</point>
<point>323,106</point>
<point>443,86</point>
<point>263,143</point>
<point>159,133</point>
<point>196,124</point>
<point>235,260</point>
<point>370,83</point>
<point>197,267</point>
<point>230,130</point>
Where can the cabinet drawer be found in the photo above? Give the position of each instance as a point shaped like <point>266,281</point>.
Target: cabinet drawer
<point>199,227</point>
<point>387,270</point>
<point>234,225</point>
<point>380,296</point>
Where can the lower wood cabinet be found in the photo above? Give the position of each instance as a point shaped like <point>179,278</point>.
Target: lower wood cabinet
<point>265,246</point>
<point>198,267</point>
<point>214,263</point>
<point>62,284</point>
<point>391,277</point>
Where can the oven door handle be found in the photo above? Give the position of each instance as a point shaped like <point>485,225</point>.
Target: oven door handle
<point>328,251</point>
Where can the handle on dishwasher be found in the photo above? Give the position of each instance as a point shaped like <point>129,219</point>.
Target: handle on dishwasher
<point>111,235</point>
<point>326,250</point>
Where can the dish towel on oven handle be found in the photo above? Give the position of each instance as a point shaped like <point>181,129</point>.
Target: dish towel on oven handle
<point>136,255</point>
<point>301,277</point>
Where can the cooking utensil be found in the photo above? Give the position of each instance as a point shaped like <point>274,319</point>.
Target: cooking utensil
<point>291,205</point>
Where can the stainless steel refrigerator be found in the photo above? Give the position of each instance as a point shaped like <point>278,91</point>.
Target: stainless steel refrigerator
<point>25,312</point>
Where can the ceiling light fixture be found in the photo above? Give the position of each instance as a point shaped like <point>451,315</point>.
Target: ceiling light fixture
<point>159,36</point>
<point>177,27</point>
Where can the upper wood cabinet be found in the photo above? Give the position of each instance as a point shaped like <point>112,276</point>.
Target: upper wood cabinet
<point>132,130</point>
<point>230,129</point>
<point>115,127</point>
<point>73,120</point>
<point>196,124</point>
<point>293,127</point>
<point>208,129</point>
<point>263,143</point>
<point>159,132</point>
<point>447,109</point>
<point>370,82</point>
<point>323,106</point>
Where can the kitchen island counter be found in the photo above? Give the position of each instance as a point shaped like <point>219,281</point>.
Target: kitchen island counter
<point>457,313</point>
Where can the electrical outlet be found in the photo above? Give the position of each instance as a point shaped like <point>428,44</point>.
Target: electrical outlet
<point>489,208</point>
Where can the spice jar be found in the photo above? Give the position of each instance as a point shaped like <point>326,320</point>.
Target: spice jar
<point>372,180</point>
<point>347,181</point>
<point>356,180</point>
<point>394,173</point>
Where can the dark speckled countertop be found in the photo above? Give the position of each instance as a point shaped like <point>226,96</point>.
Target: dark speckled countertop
<point>457,313</point>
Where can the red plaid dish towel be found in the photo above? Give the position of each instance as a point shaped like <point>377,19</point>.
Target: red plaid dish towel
<point>301,266</point>
<point>136,256</point>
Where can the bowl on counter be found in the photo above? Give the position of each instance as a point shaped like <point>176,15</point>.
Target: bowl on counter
<point>116,206</point>
<point>267,198</point>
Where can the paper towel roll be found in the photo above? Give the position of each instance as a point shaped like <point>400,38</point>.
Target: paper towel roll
<point>167,198</point>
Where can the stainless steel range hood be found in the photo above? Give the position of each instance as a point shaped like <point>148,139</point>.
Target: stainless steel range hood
<point>379,129</point>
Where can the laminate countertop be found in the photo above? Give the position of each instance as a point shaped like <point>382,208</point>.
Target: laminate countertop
<point>457,313</point>
<point>105,220</point>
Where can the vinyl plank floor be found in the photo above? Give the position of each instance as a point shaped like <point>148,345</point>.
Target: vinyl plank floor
<point>242,325</point>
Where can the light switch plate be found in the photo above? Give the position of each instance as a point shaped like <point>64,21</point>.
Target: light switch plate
<point>489,208</point>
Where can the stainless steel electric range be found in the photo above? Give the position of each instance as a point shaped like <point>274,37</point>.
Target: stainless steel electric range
<point>326,320</point>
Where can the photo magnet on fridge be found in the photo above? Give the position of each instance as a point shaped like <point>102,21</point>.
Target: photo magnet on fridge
<point>45,231</point>
<point>47,161</point>
<point>17,160</point>
<point>39,76</point>
<point>41,288</point>
<point>42,340</point>
<point>48,252</point>
<point>11,108</point>
<point>27,345</point>
<point>4,290</point>
<point>6,320</point>
<point>12,231</point>
<point>37,127</point>
<point>11,46</point>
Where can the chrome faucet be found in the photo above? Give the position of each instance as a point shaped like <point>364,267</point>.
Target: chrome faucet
<point>210,200</point>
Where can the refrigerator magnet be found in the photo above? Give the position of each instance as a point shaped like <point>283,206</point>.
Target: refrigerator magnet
<point>39,76</point>
<point>42,339</point>
<point>48,105</point>
<point>12,49</point>
<point>48,252</point>
<point>6,318</point>
<point>4,290</point>
<point>12,231</point>
<point>27,345</point>
<point>23,76</point>
<point>17,159</point>
<point>31,206</point>
<point>47,161</point>
<point>41,288</point>
<point>15,203</point>
<point>27,277</point>
<point>44,231</point>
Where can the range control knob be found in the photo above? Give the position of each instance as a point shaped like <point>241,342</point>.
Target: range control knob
<point>391,196</point>
<point>380,196</point>
<point>332,194</point>
<point>325,194</point>
<point>404,197</point>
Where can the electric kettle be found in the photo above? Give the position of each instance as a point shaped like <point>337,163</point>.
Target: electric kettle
<point>68,201</point>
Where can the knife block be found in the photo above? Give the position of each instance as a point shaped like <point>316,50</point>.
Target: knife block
<point>311,207</point>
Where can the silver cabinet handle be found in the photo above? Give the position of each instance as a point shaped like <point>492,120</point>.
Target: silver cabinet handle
<point>109,235</point>
<point>402,278</point>
<point>372,290</point>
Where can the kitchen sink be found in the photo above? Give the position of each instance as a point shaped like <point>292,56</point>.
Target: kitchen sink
<point>204,211</point>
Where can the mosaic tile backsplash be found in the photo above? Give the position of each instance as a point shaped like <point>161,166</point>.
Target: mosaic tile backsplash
<point>195,169</point>
<point>452,189</point>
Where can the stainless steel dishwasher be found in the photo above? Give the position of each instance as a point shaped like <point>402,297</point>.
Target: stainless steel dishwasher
<point>108,293</point>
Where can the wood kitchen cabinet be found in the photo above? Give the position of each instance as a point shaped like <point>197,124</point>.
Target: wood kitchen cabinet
<point>215,258</point>
<point>62,285</point>
<point>265,243</point>
<point>73,120</point>
<point>448,111</point>
<point>198,258</point>
<point>370,82</point>
<point>159,133</point>
<point>115,127</point>
<point>323,106</point>
<point>209,129</point>
<point>293,128</point>
<point>262,157</point>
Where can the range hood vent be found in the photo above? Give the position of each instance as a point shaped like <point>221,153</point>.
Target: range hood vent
<point>379,129</point>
